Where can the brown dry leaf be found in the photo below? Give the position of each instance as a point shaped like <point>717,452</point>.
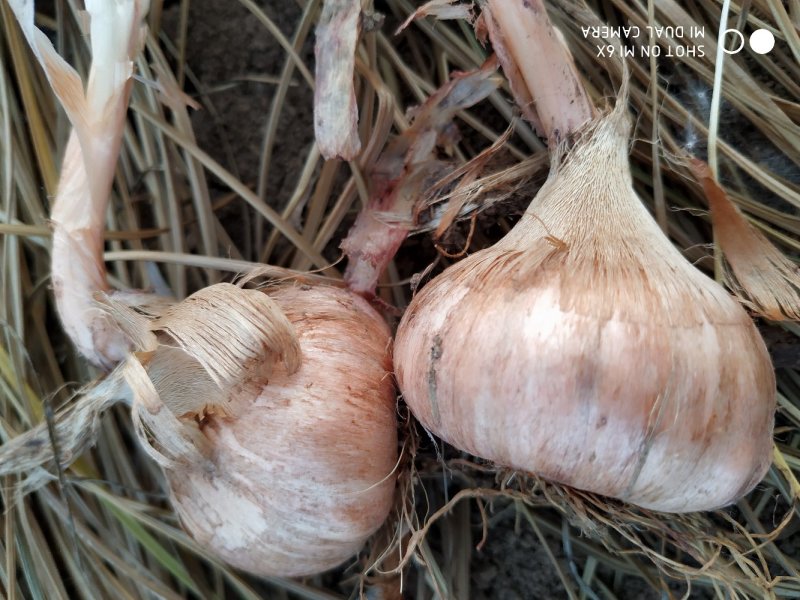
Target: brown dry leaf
<point>760,275</point>
<point>335,108</point>
<point>440,9</point>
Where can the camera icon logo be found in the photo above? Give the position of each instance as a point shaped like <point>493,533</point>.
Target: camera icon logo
<point>761,41</point>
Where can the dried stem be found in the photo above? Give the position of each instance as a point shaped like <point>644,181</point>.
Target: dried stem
<point>98,118</point>
<point>530,46</point>
<point>335,110</point>
<point>400,176</point>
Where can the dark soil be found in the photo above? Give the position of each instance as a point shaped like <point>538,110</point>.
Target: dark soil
<point>226,49</point>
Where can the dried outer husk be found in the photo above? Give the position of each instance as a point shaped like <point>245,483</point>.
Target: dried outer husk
<point>403,171</point>
<point>335,107</point>
<point>171,442</point>
<point>763,279</point>
<point>202,352</point>
<point>543,75</point>
<point>97,115</point>
<point>584,348</point>
<point>248,322</point>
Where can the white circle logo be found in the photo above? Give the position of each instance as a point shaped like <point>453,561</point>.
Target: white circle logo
<point>762,41</point>
<point>741,41</point>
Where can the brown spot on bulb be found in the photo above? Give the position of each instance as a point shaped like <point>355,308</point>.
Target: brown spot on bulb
<point>436,354</point>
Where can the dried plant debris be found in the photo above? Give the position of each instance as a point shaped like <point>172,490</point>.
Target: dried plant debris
<point>405,169</point>
<point>335,109</point>
<point>440,9</point>
<point>759,274</point>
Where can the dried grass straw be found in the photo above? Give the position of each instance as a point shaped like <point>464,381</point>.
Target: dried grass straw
<point>101,528</point>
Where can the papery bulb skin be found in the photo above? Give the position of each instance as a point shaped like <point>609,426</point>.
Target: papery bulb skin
<point>303,473</point>
<point>584,348</point>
